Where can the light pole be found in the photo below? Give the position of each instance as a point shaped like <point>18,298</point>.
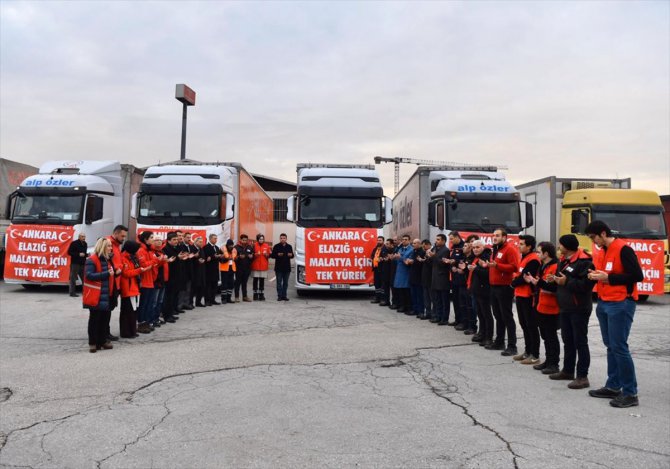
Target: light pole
<point>187,96</point>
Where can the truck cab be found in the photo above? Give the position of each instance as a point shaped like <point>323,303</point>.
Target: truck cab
<point>473,201</point>
<point>633,215</point>
<point>339,212</point>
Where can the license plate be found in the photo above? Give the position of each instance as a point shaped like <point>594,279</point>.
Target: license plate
<point>339,286</point>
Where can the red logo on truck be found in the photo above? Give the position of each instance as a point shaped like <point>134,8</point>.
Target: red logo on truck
<point>339,255</point>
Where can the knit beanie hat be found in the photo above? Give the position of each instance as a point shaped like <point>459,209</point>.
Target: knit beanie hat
<point>569,242</point>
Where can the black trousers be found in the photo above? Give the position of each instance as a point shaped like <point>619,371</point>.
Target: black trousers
<point>459,297</point>
<point>127,319</point>
<point>502,297</point>
<point>574,332</point>
<point>170,301</point>
<point>548,324</point>
<point>379,288</point>
<point>76,271</point>
<point>259,284</point>
<point>211,283</point>
<point>485,316</point>
<point>528,321</point>
<point>241,280</point>
<point>98,325</point>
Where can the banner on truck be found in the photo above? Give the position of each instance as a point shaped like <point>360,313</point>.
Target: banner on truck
<point>339,255</point>
<point>161,232</point>
<point>38,253</point>
<point>488,238</point>
<point>650,255</point>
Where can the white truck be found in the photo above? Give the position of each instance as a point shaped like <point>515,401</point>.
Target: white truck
<point>441,199</point>
<point>203,199</point>
<point>339,212</point>
<point>50,209</point>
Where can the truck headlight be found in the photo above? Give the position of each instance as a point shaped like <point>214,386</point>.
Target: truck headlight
<point>666,278</point>
<point>301,274</point>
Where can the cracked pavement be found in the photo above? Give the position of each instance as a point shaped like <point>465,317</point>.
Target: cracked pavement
<point>323,381</point>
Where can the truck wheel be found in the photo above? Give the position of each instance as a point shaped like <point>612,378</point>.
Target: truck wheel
<point>31,286</point>
<point>301,293</point>
<point>642,298</point>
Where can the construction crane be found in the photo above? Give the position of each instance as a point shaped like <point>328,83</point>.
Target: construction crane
<point>451,164</point>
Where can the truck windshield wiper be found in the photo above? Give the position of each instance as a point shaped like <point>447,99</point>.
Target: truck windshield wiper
<point>470,225</point>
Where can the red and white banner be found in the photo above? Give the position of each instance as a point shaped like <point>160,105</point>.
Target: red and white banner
<point>38,253</point>
<point>339,255</point>
<point>650,255</point>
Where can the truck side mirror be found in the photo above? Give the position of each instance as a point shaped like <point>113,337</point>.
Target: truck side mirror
<point>290,208</point>
<point>431,213</point>
<point>529,215</point>
<point>94,209</point>
<point>388,210</point>
<point>230,206</point>
<point>133,206</point>
<point>10,204</point>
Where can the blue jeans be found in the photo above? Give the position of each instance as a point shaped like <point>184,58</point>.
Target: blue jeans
<point>616,319</point>
<point>147,298</point>
<point>416,292</point>
<point>282,283</point>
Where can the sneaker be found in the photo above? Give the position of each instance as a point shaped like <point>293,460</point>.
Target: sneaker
<point>540,366</point>
<point>109,346</point>
<point>550,370</point>
<point>579,383</point>
<point>605,393</point>
<point>531,360</point>
<point>562,375</point>
<point>246,298</point>
<point>237,300</point>
<point>519,357</point>
<point>509,352</point>
<point>622,401</point>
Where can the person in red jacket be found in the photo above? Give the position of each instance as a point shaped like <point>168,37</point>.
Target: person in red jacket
<point>503,264</point>
<point>147,290</point>
<point>617,272</point>
<point>524,294</point>
<point>161,275</point>
<point>98,286</point>
<point>130,288</point>
<point>547,307</point>
<point>259,266</point>
<point>118,237</point>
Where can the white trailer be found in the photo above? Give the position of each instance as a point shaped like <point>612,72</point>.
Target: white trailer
<point>51,208</point>
<point>339,212</point>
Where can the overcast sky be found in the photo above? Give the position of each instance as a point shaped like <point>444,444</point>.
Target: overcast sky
<point>572,89</point>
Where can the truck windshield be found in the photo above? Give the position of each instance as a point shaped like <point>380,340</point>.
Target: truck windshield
<point>632,224</point>
<point>347,212</point>
<point>179,209</point>
<point>48,209</point>
<point>484,216</point>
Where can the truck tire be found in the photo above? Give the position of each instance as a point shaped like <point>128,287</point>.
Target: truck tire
<point>642,298</point>
<point>301,293</point>
<point>31,286</point>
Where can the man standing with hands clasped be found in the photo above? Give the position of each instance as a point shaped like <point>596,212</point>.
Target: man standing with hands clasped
<point>77,253</point>
<point>617,273</point>
<point>282,253</point>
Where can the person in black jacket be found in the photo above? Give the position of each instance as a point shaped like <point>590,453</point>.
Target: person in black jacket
<point>245,255</point>
<point>481,290</point>
<point>77,253</point>
<point>426,280</point>
<point>573,293</point>
<point>388,269</point>
<point>440,280</point>
<point>175,276</point>
<point>212,255</point>
<point>459,294</point>
<point>415,272</point>
<point>282,253</point>
<point>198,286</point>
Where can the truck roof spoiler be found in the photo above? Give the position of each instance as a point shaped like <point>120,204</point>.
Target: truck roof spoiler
<point>327,165</point>
<point>188,162</point>
<point>459,168</point>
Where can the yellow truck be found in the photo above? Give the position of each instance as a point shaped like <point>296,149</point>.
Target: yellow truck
<point>634,215</point>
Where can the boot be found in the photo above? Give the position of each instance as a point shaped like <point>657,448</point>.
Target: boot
<point>256,296</point>
<point>261,295</point>
<point>229,298</point>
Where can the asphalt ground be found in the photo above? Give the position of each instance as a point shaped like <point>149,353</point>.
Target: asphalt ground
<point>323,381</point>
